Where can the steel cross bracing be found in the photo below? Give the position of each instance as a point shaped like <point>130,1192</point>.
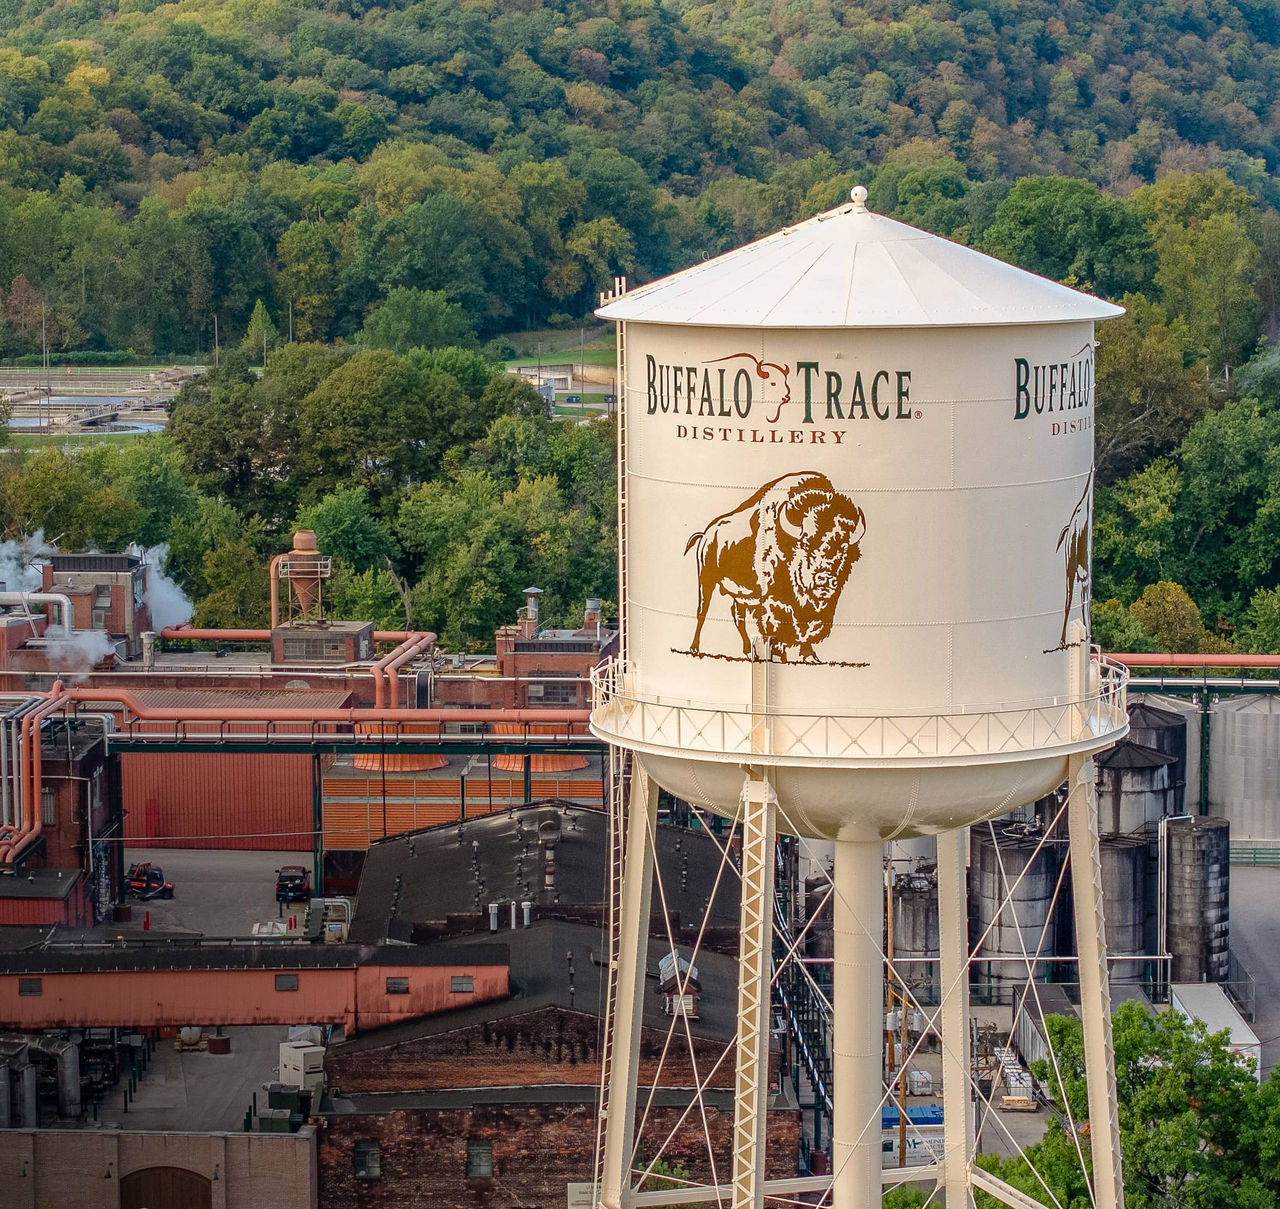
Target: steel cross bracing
<point>1095,990</point>
<point>759,814</point>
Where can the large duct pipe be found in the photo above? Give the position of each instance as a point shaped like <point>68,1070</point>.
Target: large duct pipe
<point>33,823</point>
<point>350,715</point>
<point>411,649</point>
<point>1228,660</point>
<point>27,599</point>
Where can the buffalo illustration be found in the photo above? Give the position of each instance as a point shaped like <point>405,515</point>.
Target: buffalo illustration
<point>1075,543</point>
<point>782,557</point>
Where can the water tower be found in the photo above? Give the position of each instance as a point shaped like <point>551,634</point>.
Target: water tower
<point>855,492</point>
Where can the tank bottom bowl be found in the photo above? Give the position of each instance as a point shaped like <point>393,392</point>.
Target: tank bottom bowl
<point>867,804</point>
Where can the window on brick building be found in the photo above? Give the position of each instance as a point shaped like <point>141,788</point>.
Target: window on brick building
<point>479,1159</point>
<point>462,983</point>
<point>286,982</point>
<point>366,1161</point>
<point>397,986</point>
<point>48,808</point>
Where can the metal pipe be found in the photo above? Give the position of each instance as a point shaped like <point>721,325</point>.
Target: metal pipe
<point>349,715</point>
<point>33,823</point>
<point>19,745</point>
<point>26,599</point>
<point>1257,661</point>
<point>273,578</point>
<point>391,671</point>
<point>186,633</point>
<point>856,1025</point>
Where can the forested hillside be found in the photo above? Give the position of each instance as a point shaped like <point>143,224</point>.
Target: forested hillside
<point>402,178</point>
<point>163,164</point>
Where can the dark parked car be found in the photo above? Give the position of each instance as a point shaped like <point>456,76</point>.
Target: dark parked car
<point>293,883</point>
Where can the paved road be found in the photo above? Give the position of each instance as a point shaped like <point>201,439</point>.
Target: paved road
<point>1255,939</point>
<point>217,893</point>
<point>195,1092</point>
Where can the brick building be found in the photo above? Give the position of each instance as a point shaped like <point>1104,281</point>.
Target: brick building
<point>497,1105</point>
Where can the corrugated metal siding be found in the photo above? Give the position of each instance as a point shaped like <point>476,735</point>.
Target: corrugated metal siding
<point>1244,766</point>
<point>355,807</point>
<point>157,998</point>
<point>73,910</point>
<point>207,800</point>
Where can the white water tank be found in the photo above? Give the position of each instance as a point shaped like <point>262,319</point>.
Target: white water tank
<point>857,515</point>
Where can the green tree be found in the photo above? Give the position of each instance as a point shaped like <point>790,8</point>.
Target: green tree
<point>261,334</point>
<point>1172,618</point>
<point>1069,230</point>
<point>237,597</point>
<point>1148,399</point>
<point>412,318</point>
<point>346,529</point>
<point>1207,261</point>
<point>1193,1121</point>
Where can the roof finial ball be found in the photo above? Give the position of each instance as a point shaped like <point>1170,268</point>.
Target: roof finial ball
<point>858,195</point>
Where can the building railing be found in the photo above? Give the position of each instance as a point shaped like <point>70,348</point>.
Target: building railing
<point>624,715</point>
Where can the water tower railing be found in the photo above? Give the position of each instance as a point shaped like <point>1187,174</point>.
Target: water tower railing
<point>631,718</point>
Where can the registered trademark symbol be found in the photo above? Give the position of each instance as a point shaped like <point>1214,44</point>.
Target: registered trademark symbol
<point>919,414</point>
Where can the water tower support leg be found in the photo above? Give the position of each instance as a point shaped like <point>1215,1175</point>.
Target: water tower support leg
<point>1095,991</point>
<point>759,829</point>
<point>633,947</point>
<point>857,1024</point>
<point>953,944</point>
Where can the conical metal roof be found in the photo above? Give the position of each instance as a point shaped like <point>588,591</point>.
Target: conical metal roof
<point>849,267</point>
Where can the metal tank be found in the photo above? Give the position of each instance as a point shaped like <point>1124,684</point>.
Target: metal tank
<point>1124,887</point>
<point>1165,730</point>
<point>1244,759</point>
<point>1196,896</point>
<point>1012,864</point>
<point>1134,789</point>
<point>916,931</point>
<point>1186,797</point>
<point>856,515</point>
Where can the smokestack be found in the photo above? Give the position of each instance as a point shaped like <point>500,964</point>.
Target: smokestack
<point>148,650</point>
<point>529,614</point>
<point>591,616</point>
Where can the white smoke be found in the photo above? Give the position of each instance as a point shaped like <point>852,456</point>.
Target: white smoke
<point>21,561</point>
<point>79,651</point>
<point>168,603</point>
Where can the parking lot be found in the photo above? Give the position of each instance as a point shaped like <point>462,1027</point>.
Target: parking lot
<point>216,893</point>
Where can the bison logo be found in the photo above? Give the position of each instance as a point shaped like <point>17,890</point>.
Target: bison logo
<point>782,557</point>
<point>1075,543</point>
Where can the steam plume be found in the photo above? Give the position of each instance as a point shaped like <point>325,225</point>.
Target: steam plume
<point>20,563</point>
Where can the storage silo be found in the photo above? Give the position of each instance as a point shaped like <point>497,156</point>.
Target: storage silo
<point>856,505</point>
<point>1244,766</point>
<point>1197,898</point>
<point>1166,731</point>
<point>1012,864</point>
<point>915,930</point>
<point>1133,789</point>
<point>1124,887</point>
<point>1186,798</point>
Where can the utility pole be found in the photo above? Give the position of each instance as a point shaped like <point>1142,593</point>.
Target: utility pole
<point>290,321</point>
<point>216,359</point>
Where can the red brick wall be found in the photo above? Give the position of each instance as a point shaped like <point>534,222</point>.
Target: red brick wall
<point>538,1149</point>
<point>548,1046</point>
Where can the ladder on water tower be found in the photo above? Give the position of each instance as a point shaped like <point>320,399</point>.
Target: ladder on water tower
<point>618,790</point>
